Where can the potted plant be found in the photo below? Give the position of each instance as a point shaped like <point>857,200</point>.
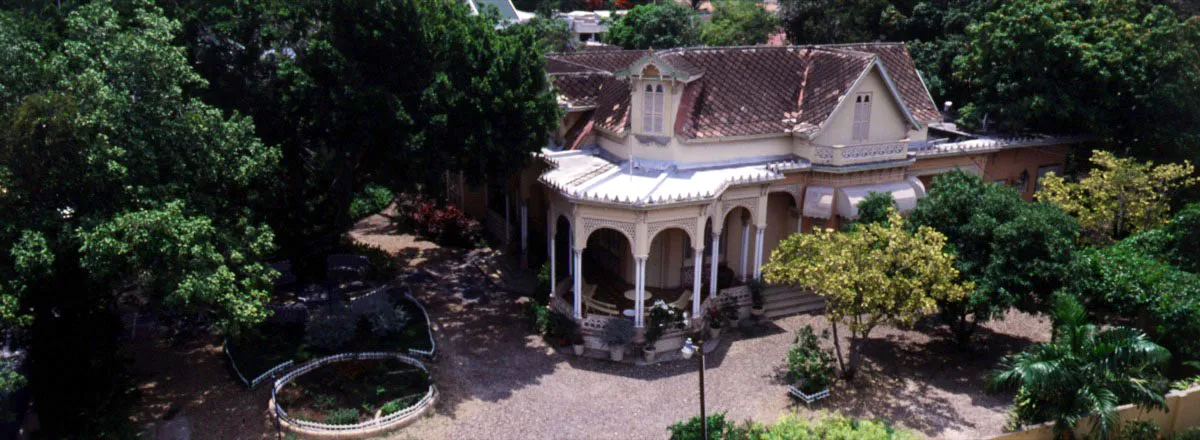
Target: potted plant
<point>715,320</point>
<point>757,302</point>
<point>731,314</point>
<point>662,319</point>
<point>575,335</point>
<point>809,367</point>
<point>616,335</point>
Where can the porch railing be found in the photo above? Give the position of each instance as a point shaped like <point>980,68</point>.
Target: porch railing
<point>858,154</point>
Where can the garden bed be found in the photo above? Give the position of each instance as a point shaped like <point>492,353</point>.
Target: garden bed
<point>263,352</point>
<point>353,391</point>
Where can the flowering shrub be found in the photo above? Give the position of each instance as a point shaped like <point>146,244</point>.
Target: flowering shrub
<point>662,319</point>
<point>445,225</point>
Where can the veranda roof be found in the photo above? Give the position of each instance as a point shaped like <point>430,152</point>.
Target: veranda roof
<point>818,202</point>
<point>905,193</point>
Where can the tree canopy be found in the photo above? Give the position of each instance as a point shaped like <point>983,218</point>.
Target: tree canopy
<point>1119,196</point>
<point>657,25</point>
<point>1015,253</point>
<point>738,23</point>
<point>879,273</point>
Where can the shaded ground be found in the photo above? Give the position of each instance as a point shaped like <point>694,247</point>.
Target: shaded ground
<point>499,382</point>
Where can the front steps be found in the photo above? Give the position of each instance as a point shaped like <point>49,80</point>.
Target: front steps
<point>779,302</point>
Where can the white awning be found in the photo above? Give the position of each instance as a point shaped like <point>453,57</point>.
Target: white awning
<point>818,202</point>
<point>905,193</point>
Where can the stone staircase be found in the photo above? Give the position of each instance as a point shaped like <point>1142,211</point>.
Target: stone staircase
<point>782,301</point>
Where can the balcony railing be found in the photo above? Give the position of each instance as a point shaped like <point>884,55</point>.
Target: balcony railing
<point>859,154</point>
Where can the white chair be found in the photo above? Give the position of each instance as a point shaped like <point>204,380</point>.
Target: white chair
<point>682,302</point>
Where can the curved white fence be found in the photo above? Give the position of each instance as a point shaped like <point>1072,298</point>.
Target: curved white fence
<point>377,424</point>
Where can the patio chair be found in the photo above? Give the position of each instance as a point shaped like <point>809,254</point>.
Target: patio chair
<point>682,302</point>
<point>600,306</point>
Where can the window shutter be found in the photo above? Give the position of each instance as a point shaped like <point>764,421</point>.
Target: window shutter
<point>658,110</point>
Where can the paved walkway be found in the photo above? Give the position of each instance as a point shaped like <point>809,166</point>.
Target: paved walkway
<point>498,381</point>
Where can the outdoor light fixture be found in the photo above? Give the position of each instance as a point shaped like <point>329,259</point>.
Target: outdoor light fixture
<point>688,350</point>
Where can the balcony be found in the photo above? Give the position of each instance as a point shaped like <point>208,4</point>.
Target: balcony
<point>840,155</point>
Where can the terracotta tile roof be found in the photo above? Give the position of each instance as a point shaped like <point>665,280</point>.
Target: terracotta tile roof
<point>744,91</point>
<point>903,72</point>
<point>580,89</point>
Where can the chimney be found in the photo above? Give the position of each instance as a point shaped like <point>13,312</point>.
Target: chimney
<point>946,111</point>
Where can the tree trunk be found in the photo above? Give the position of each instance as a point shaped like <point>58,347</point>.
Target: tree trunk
<point>837,345</point>
<point>852,366</point>
<point>963,329</point>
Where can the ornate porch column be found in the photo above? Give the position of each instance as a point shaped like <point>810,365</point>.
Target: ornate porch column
<point>553,262</point>
<point>745,248</point>
<point>712,275</point>
<point>639,302</point>
<point>697,268</point>
<point>577,261</point>
<point>758,256</point>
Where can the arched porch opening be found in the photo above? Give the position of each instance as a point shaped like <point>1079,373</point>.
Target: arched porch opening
<point>783,220</point>
<point>737,242</point>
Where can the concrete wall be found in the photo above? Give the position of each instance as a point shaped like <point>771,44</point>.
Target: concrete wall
<point>1183,413</point>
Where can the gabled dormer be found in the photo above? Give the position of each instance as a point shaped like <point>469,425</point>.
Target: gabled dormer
<point>656,82</point>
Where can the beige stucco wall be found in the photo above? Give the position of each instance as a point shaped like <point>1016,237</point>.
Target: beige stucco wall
<point>888,122</point>
<point>1183,413</point>
<point>1005,165</point>
<point>666,258</point>
<point>781,221</point>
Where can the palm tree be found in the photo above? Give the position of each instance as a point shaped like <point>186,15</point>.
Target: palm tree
<point>1083,371</point>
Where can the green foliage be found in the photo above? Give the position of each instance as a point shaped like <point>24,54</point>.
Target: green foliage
<point>1084,370</point>
<point>385,319</point>
<point>738,23</point>
<point>662,318</point>
<point>831,427</point>
<point>553,34</point>
<point>879,273</point>
<point>1015,253</point>
<point>874,208</point>
<point>1139,430</point>
<point>657,25</point>
<point>1095,87</point>
<point>342,416</point>
<point>756,287</point>
<point>1190,434</point>
<point>331,328</point>
<point>541,292</point>
<point>718,428</point>
<point>1184,233</point>
<point>617,333</point>
<point>1124,285</point>
<point>372,199</point>
<point>807,361</point>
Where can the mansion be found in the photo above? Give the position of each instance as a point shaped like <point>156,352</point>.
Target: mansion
<point>675,173</point>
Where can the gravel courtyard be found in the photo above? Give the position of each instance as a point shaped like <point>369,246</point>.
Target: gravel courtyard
<point>497,381</point>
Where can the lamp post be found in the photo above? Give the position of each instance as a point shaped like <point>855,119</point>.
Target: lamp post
<point>688,349</point>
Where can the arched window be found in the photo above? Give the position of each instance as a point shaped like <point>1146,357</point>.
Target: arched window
<point>862,117</point>
<point>652,109</point>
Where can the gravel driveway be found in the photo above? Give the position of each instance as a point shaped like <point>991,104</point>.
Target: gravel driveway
<point>499,382</point>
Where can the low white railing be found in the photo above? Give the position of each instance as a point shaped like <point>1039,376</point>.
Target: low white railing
<point>374,425</point>
<point>858,154</point>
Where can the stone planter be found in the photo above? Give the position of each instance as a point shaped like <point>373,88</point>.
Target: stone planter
<point>617,354</point>
<point>578,349</point>
<point>714,333</point>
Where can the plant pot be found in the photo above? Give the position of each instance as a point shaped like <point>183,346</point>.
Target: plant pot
<point>649,352</point>
<point>617,354</point>
<point>714,333</point>
<point>687,352</point>
<point>759,311</point>
<point>578,349</point>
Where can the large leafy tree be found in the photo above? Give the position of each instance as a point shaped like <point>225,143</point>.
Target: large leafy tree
<point>1013,251</point>
<point>111,179</point>
<point>738,23</point>
<point>662,25</point>
<point>1125,70</point>
<point>879,273</point>
<point>1084,371</point>
<point>1119,196</point>
<point>391,92</point>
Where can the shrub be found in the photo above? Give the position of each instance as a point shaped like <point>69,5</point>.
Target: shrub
<point>833,427</point>
<point>551,324</point>
<point>445,225</point>
<point>383,264</point>
<point>617,332</point>
<point>541,293</point>
<point>385,318</point>
<point>1140,430</point>
<point>662,318</point>
<point>718,428</point>
<point>371,200</point>
<point>343,416</point>
<point>1191,434</point>
<point>807,361</point>
<point>331,327</point>
<point>756,292</point>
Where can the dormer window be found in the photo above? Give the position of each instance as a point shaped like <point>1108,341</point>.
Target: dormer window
<point>652,109</point>
<point>862,117</point>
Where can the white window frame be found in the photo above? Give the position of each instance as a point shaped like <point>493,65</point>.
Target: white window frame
<point>652,109</point>
<point>862,117</point>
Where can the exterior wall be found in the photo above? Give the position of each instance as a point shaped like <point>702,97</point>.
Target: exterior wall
<point>1183,413</point>
<point>1005,165</point>
<point>781,222</point>
<point>888,122</point>
<point>671,94</point>
<point>666,260</point>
